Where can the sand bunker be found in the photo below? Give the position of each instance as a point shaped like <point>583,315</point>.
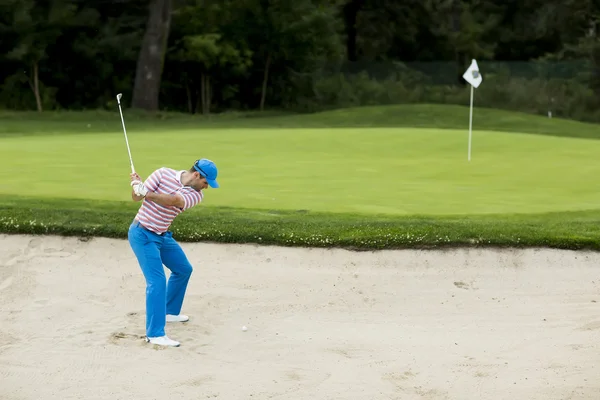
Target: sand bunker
<point>322,324</point>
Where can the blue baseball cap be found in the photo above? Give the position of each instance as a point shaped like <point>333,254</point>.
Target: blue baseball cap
<point>208,170</point>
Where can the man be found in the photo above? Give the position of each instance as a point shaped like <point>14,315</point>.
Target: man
<point>166,193</point>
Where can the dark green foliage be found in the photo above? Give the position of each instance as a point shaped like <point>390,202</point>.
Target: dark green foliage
<point>559,87</point>
<point>306,55</point>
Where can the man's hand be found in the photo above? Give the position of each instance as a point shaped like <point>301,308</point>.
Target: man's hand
<point>139,191</point>
<point>135,177</point>
<point>139,188</point>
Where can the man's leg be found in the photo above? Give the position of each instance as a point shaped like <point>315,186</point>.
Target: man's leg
<point>146,249</point>
<point>175,259</point>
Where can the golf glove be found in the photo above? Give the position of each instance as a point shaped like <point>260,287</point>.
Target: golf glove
<point>139,188</point>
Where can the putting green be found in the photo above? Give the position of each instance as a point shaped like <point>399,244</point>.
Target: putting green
<point>366,170</point>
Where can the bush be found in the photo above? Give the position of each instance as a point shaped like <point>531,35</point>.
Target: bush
<point>528,90</point>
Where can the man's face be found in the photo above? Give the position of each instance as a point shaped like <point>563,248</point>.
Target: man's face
<point>199,182</point>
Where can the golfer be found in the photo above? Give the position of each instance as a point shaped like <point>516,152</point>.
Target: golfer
<point>166,193</point>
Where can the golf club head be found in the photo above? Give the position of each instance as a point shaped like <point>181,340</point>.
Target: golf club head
<point>119,97</point>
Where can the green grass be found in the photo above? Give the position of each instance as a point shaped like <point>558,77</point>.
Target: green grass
<point>400,171</point>
<point>393,116</point>
<point>382,177</point>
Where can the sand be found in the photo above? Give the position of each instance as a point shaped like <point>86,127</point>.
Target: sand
<point>322,324</point>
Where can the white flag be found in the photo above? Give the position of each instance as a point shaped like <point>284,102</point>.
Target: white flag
<point>472,75</point>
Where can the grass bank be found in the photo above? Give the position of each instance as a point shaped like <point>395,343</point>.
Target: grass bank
<point>432,116</point>
<point>573,230</point>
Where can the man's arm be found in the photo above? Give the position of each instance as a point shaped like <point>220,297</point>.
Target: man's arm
<point>166,200</point>
<point>135,197</point>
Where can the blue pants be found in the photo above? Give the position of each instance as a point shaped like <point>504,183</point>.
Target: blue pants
<point>162,298</point>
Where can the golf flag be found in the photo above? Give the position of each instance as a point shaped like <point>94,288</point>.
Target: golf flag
<point>473,76</point>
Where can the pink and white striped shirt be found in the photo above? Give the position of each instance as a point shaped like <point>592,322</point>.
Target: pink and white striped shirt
<point>165,180</point>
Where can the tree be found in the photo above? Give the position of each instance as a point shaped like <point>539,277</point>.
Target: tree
<point>150,62</point>
<point>576,22</point>
<point>36,28</point>
<point>201,51</point>
<point>463,27</point>
<point>350,13</point>
<point>290,36</point>
<point>387,29</point>
<point>202,55</point>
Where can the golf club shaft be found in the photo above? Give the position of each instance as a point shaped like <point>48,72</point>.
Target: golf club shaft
<point>125,132</point>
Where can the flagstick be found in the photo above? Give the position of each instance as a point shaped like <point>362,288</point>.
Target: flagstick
<point>470,122</point>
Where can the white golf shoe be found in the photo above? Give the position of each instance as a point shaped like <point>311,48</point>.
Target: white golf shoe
<point>162,341</point>
<point>177,318</point>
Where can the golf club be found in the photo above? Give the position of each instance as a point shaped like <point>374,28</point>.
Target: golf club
<point>125,132</point>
